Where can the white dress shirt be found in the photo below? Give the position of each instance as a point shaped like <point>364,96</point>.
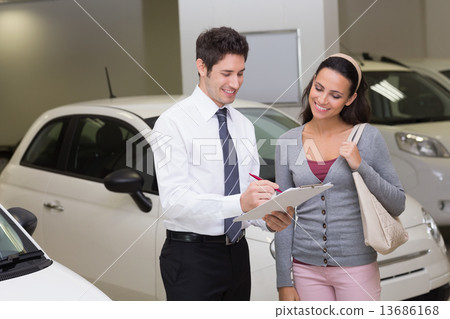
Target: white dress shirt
<point>189,165</point>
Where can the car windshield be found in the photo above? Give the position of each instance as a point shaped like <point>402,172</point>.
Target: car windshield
<point>10,242</point>
<point>446,73</point>
<point>269,125</point>
<point>406,97</point>
<point>19,256</point>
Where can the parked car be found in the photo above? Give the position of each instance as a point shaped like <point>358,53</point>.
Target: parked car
<point>413,114</point>
<point>87,171</point>
<point>27,273</point>
<point>436,69</point>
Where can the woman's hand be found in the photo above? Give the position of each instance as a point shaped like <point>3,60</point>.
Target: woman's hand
<point>350,152</point>
<point>288,294</point>
<point>277,221</point>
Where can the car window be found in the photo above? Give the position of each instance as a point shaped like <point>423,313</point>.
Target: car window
<point>45,148</point>
<point>99,147</point>
<point>446,73</point>
<point>406,97</point>
<point>269,125</point>
<point>94,147</point>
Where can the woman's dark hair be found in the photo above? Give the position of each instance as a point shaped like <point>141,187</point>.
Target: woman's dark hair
<point>213,44</point>
<point>359,110</point>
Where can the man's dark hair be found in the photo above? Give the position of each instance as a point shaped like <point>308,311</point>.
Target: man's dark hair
<point>213,44</point>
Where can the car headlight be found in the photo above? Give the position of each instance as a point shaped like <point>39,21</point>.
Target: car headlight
<point>433,230</point>
<point>420,145</point>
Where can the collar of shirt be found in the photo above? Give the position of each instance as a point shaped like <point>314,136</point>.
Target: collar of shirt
<point>208,108</point>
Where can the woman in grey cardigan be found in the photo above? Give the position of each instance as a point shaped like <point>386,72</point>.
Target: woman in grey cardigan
<point>324,250</point>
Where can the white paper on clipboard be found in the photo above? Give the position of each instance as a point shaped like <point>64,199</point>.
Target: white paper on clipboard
<point>290,197</point>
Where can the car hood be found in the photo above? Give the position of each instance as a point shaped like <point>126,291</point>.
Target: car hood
<point>53,283</point>
<point>437,130</point>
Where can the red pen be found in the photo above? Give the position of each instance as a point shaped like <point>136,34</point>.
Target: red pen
<point>259,179</point>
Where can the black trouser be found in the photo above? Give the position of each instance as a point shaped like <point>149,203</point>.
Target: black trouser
<point>205,271</point>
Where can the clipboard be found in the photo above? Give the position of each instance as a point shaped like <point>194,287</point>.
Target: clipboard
<point>291,197</point>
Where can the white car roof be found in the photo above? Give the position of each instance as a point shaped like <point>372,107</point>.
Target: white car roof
<point>147,106</point>
<point>429,63</point>
<point>369,66</point>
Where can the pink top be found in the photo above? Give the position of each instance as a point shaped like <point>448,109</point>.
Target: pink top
<point>320,169</point>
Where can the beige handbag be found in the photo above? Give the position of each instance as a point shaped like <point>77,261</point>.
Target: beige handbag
<point>382,231</point>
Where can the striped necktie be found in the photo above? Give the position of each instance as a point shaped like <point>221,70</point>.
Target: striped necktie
<point>231,171</point>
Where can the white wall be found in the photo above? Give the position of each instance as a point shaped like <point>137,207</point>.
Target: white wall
<point>437,15</point>
<point>52,53</point>
<point>316,19</point>
<point>398,29</point>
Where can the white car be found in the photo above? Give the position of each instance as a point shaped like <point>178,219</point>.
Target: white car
<point>86,170</point>
<point>436,69</point>
<point>413,114</point>
<point>27,273</point>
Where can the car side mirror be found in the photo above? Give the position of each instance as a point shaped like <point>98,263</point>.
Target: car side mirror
<point>127,180</point>
<point>25,218</point>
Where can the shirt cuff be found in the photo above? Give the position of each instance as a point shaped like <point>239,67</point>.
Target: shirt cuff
<point>232,206</point>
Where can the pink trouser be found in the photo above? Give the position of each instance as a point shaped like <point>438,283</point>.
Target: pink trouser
<point>315,283</point>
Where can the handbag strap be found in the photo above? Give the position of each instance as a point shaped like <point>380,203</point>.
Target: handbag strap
<point>356,133</point>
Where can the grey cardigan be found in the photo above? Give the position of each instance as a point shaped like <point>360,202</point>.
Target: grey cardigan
<point>328,228</point>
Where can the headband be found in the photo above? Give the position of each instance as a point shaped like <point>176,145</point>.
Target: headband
<point>352,61</point>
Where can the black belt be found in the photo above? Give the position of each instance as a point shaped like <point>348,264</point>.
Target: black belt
<point>197,238</point>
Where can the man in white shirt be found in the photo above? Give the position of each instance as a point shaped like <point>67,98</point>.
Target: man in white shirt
<point>198,261</point>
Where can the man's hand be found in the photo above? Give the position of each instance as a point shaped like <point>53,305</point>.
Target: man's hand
<point>278,221</point>
<point>257,193</point>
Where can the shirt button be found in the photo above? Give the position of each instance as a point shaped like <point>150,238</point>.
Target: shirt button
<point>324,225</point>
<point>325,250</point>
<point>323,212</point>
<point>322,197</point>
<point>324,238</point>
<point>325,261</point>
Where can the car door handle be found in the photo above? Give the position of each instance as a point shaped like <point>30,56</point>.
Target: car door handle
<point>54,205</point>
